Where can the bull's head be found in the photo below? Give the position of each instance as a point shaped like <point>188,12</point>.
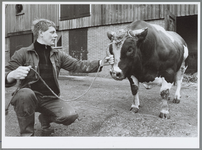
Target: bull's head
<point>124,47</point>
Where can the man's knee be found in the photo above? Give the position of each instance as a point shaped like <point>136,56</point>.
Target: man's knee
<point>24,102</point>
<point>23,95</point>
<point>67,120</point>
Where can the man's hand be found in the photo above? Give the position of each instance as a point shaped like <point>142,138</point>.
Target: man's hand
<point>20,73</point>
<point>107,61</point>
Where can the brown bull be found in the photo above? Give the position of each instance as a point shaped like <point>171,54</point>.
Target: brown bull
<point>144,51</point>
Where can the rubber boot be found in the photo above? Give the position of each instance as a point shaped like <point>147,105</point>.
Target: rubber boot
<point>45,125</point>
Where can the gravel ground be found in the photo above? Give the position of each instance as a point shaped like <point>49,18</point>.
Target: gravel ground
<point>104,111</point>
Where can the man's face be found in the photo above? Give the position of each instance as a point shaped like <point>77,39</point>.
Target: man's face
<point>49,36</point>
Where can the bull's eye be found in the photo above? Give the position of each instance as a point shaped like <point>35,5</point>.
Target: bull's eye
<point>129,51</point>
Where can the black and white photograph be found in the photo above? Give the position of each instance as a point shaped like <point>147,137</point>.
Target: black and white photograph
<point>100,74</point>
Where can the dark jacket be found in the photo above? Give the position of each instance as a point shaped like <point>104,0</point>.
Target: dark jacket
<point>27,56</point>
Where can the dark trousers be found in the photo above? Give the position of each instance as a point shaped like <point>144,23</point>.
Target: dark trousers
<point>26,102</point>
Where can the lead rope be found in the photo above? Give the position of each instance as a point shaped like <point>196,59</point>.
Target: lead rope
<point>60,97</point>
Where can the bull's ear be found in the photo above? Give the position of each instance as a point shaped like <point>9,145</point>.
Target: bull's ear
<point>140,34</point>
<point>110,35</point>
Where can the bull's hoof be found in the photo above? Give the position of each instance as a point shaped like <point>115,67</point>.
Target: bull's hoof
<point>134,109</point>
<point>166,116</point>
<point>177,101</point>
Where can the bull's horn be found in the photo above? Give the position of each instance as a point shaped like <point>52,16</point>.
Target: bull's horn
<point>138,32</point>
<point>110,35</point>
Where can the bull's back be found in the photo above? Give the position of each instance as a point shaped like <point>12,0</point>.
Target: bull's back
<point>167,50</point>
<point>177,38</point>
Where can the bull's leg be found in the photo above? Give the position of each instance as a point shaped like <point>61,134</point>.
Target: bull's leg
<point>165,92</point>
<point>134,83</point>
<point>179,78</point>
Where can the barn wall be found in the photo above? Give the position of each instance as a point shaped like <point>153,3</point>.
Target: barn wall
<point>31,11</point>
<point>183,10</point>
<point>115,14</point>
<point>101,15</point>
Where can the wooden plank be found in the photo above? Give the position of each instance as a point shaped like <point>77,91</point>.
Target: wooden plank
<point>118,13</point>
<point>127,14</point>
<point>196,9</point>
<point>137,12</point>
<point>110,14</point>
<point>161,11</point>
<point>147,12</point>
<point>130,13</point>
<point>187,9</point>
<point>183,10</point>
<point>142,12</point>
<point>154,13</point>
<point>106,14</point>
<point>136,16</point>
<point>92,20</point>
<point>178,10</point>
<point>94,15</point>
<point>98,15</point>
<point>113,14</point>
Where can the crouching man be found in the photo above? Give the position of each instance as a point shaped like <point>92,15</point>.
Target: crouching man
<point>32,95</point>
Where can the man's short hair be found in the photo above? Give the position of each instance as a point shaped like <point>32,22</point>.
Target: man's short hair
<point>41,24</point>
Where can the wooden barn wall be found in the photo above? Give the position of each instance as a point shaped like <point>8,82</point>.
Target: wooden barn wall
<point>31,11</point>
<point>100,15</point>
<point>183,10</point>
<point>114,14</point>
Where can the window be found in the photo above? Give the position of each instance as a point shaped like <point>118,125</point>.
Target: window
<point>19,9</point>
<point>74,11</point>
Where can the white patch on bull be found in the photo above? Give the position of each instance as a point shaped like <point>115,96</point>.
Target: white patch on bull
<point>157,81</point>
<point>164,107</point>
<point>164,111</point>
<point>116,51</point>
<point>135,80</point>
<point>179,75</point>
<point>159,28</point>
<point>136,101</point>
<point>186,53</point>
<point>165,85</point>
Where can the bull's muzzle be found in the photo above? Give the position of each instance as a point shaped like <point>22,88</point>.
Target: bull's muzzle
<point>117,75</point>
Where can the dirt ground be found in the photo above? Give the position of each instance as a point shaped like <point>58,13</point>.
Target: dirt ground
<point>104,111</point>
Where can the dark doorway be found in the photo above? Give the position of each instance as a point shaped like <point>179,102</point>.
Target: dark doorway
<point>78,44</point>
<point>187,28</point>
<point>19,41</point>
